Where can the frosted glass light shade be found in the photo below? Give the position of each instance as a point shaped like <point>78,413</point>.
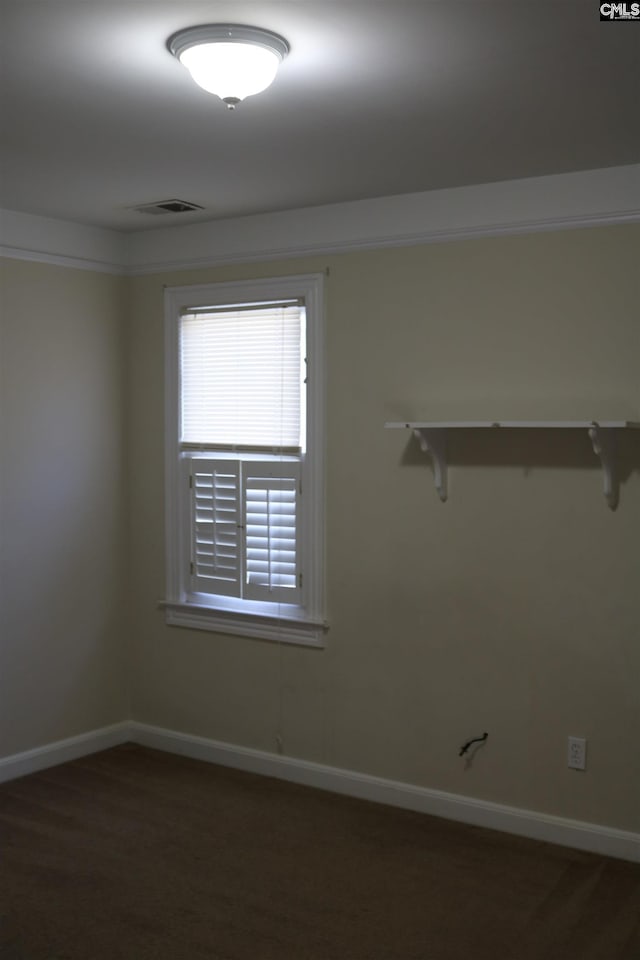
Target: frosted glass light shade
<point>232,62</point>
<point>231,70</point>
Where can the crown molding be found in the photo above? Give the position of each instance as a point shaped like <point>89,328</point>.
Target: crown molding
<point>310,249</point>
<point>563,201</point>
<point>61,243</point>
<point>559,202</point>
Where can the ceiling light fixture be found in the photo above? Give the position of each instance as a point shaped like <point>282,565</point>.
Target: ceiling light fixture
<point>229,60</point>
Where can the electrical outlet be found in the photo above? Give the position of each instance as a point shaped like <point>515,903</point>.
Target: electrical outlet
<point>577,753</point>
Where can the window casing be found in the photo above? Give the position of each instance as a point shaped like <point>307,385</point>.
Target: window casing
<point>245,457</point>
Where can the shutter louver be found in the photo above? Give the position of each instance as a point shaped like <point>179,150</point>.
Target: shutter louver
<point>215,527</point>
<point>270,493</point>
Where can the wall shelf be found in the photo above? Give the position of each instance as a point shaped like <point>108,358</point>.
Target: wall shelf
<point>432,436</point>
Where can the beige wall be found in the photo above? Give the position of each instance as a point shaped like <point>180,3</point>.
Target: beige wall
<point>62,556</point>
<point>514,607</point>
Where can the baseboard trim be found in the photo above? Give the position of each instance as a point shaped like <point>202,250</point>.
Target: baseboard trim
<point>593,838</point>
<point>51,754</point>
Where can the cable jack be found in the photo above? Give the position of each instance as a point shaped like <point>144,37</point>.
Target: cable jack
<point>465,746</point>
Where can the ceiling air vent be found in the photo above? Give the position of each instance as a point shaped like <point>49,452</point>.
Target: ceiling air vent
<point>167,206</point>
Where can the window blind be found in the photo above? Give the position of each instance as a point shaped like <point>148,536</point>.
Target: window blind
<point>241,375</point>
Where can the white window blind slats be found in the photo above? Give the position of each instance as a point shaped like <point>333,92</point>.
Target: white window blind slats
<point>240,373</point>
<point>215,527</point>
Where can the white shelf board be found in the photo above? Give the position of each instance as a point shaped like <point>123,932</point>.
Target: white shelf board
<point>432,435</point>
<point>515,424</point>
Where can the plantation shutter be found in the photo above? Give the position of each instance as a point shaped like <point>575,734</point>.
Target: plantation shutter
<point>271,492</point>
<point>216,552</point>
<point>240,372</point>
<point>244,528</point>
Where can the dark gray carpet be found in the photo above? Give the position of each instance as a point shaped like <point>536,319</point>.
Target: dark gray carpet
<point>133,854</point>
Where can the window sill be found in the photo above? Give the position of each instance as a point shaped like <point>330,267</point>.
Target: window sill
<point>282,629</point>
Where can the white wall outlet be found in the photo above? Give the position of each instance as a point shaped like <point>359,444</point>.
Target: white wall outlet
<point>577,753</point>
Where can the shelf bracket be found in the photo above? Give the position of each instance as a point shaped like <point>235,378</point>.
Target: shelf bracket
<point>434,442</point>
<point>603,440</point>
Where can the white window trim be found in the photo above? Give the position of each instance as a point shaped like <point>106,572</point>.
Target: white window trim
<point>281,622</point>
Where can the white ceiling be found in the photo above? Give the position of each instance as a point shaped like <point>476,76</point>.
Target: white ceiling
<point>376,98</point>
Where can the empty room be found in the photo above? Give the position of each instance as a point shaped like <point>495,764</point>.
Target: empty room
<point>319,480</point>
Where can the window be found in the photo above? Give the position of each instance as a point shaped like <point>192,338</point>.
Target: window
<point>244,457</point>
